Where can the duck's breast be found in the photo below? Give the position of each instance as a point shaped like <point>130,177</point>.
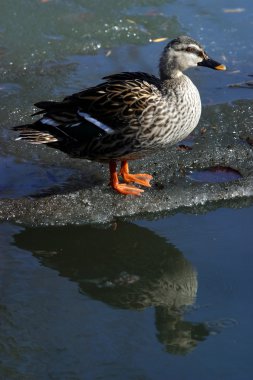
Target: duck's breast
<point>176,114</point>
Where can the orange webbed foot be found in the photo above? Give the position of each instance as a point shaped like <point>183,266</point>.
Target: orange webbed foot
<point>140,178</point>
<point>125,189</point>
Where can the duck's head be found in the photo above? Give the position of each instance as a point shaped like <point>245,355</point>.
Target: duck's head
<point>182,53</point>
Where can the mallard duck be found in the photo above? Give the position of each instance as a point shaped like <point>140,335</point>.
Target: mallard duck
<point>126,117</point>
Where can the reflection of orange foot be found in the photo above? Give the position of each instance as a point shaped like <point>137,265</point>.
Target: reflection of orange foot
<point>142,179</point>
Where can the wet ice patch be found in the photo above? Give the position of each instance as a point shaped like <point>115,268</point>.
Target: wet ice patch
<point>7,89</point>
<point>27,179</point>
<point>214,174</point>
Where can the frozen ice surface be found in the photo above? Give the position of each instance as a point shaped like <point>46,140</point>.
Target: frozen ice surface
<point>222,139</point>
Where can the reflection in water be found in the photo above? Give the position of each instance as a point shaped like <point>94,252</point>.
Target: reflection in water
<point>130,267</point>
<point>178,336</point>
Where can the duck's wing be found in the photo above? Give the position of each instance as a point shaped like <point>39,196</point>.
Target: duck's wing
<point>99,110</point>
<point>120,99</point>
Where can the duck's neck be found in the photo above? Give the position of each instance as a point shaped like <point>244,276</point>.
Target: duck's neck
<point>171,75</point>
<point>168,67</point>
<point>169,72</point>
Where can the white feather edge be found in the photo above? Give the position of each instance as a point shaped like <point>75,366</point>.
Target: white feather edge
<point>96,122</point>
<point>86,116</point>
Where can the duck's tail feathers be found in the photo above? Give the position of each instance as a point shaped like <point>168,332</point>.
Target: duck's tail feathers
<point>49,106</point>
<point>33,136</point>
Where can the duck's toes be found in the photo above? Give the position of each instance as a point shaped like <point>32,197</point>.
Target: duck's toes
<point>140,178</point>
<point>125,189</point>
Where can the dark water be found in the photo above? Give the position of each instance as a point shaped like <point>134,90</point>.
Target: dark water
<point>136,301</point>
<point>154,299</point>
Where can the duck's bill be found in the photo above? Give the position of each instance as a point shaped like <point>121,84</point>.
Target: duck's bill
<point>212,64</point>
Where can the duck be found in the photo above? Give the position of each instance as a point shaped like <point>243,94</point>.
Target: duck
<point>126,117</point>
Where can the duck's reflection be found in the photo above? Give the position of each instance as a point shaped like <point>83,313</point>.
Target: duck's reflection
<point>130,267</point>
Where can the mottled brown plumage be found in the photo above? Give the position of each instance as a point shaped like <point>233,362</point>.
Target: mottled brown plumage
<point>127,116</point>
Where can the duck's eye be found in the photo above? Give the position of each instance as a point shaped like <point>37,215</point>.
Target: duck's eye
<point>190,50</point>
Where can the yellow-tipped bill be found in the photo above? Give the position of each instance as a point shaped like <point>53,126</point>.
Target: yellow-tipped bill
<point>209,62</point>
<point>220,67</point>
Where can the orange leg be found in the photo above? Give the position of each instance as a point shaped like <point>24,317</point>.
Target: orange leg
<point>121,188</point>
<point>142,179</point>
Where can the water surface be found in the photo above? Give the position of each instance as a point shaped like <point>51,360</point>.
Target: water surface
<point>154,299</point>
